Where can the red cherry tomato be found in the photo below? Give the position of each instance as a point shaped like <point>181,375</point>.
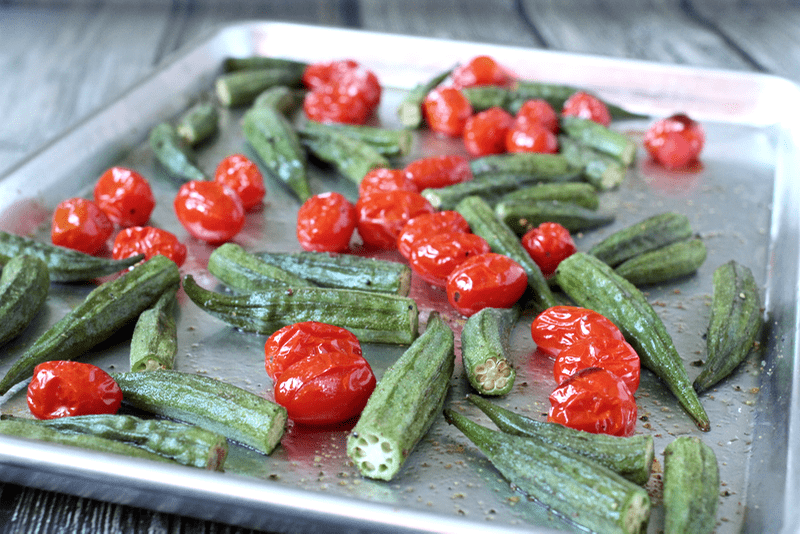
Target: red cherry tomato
<point>295,342</point>
<point>66,388</point>
<point>435,256</point>
<point>439,171</point>
<point>382,215</point>
<point>446,111</point>
<point>346,72</point>
<point>242,175</point>
<point>586,106</point>
<point>485,132</point>
<point>124,196</point>
<point>81,225</point>
<point>149,241</point>
<point>675,142</point>
<point>539,111</point>
<point>209,211</point>
<point>447,221</point>
<point>341,91</point>
<point>487,280</point>
<point>481,70</point>
<point>613,355</point>
<point>558,327</point>
<point>323,73</point>
<point>594,400</point>
<point>531,137</point>
<point>334,103</point>
<point>548,244</point>
<point>383,179</point>
<point>325,223</point>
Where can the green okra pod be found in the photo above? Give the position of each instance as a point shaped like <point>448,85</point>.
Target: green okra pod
<point>524,215</point>
<point>241,87</point>
<point>174,154</point>
<point>24,285</point>
<point>410,109</point>
<point>154,342</point>
<point>691,487</point>
<point>198,123</point>
<point>351,157</point>
<point>485,350</point>
<point>238,269</point>
<point>669,262</point>
<point>601,138</point>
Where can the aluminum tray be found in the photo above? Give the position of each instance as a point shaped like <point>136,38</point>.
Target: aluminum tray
<point>744,202</point>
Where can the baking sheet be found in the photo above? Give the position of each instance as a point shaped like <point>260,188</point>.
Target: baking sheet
<point>744,202</point>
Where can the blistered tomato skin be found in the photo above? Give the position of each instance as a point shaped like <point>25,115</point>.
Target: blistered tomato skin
<point>434,257</point>
<point>241,174</point>
<point>382,216</point>
<point>326,222</point>
<point>439,171</point>
<point>531,137</point>
<point>209,211</point>
<point>538,111</point>
<point>483,281</point>
<point>594,400</point>
<point>427,224</point>
<point>558,327</point>
<point>481,70</point>
<point>485,132</point>
<point>149,241</point>
<point>81,225</point>
<point>125,196</point>
<point>68,388</point>
<point>334,103</point>
<point>382,179</point>
<point>675,142</point>
<point>614,355</point>
<point>586,106</point>
<point>341,91</point>
<point>446,111</point>
<point>548,244</point>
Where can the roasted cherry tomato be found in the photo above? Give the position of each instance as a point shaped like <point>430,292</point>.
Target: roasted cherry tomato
<point>382,215</point>
<point>446,111</point>
<point>435,256</point>
<point>295,342</point>
<point>675,142</point>
<point>539,111</point>
<point>66,388</point>
<point>439,171</point>
<point>485,132</point>
<point>335,103</point>
<point>594,400</point>
<point>323,73</point>
<point>586,106</point>
<point>487,280</point>
<point>81,225</point>
<point>149,241</point>
<point>548,244</point>
<point>325,223</point>
<point>481,70</point>
<point>382,179</point>
<point>341,91</point>
<point>241,174</point>
<point>558,327</point>
<point>209,211</point>
<point>612,354</point>
<point>531,137</point>
<point>124,196</point>
<point>427,224</point>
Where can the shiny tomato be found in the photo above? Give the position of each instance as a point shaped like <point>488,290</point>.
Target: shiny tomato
<point>209,211</point>
<point>531,137</point>
<point>439,171</point>
<point>558,327</point>
<point>487,280</point>
<point>326,222</point>
<point>66,388</point>
<point>539,111</point>
<point>341,91</point>
<point>335,103</point>
<point>81,225</point>
<point>124,196</point>
<point>586,106</point>
<point>241,174</point>
<point>548,244</point>
<point>481,70</point>
<point>612,354</point>
<point>382,179</point>
<point>485,132</point>
<point>446,111</point>
<point>594,400</point>
<point>435,256</point>
<point>382,215</point>
<point>323,73</point>
<point>149,241</point>
<point>446,221</point>
<point>675,141</point>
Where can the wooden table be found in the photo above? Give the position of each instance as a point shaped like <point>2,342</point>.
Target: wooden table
<point>62,60</point>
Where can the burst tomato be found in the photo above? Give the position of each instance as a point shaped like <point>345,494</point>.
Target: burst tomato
<point>335,103</point>
<point>446,221</point>
<point>483,281</point>
<point>612,354</point>
<point>124,196</point>
<point>586,106</point>
<point>548,244</point>
<point>209,211</point>
<point>531,137</point>
<point>382,179</point>
<point>675,141</point>
<point>149,241</point>
<point>485,132</point>
<point>382,215</point>
<point>594,400</point>
<point>558,327</point>
<point>435,256</point>
<point>325,223</point>
<point>341,91</point>
<point>66,388</point>
<point>241,174</point>
<point>481,70</point>
<point>81,225</point>
<point>446,111</point>
<point>538,111</point>
<point>439,171</point>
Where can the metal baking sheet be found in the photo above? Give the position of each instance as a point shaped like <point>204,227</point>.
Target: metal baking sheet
<point>743,201</point>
